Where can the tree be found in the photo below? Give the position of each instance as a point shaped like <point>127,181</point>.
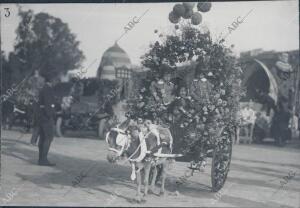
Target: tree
<point>6,74</point>
<point>45,43</point>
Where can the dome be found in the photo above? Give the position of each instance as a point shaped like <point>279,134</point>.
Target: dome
<point>113,57</point>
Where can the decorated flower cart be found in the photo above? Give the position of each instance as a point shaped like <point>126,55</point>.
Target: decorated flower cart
<point>192,88</point>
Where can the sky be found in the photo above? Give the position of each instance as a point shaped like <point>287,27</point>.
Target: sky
<point>269,25</point>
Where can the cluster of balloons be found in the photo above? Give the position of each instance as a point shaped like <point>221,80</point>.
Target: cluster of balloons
<point>185,10</point>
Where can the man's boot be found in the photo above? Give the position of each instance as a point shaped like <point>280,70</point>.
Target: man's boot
<point>46,147</point>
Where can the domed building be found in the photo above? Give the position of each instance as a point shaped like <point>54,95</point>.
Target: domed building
<point>116,65</point>
<point>112,59</point>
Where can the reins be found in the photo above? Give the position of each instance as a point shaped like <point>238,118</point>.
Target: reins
<point>134,152</point>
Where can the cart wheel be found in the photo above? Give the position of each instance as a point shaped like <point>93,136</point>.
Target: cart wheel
<point>102,128</point>
<point>221,161</point>
<point>59,128</point>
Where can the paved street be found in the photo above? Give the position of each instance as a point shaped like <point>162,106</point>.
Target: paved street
<point>83,177</point>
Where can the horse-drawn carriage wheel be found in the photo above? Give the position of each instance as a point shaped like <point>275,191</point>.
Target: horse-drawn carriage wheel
<point>59,127</point>
<point>221,161</point>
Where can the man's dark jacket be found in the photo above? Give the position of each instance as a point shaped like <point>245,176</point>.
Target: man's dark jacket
<point>46,104</point>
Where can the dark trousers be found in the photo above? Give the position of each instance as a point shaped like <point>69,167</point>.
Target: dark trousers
<point>46,130</point>
<point>35,134</point>
<point>35,123</point>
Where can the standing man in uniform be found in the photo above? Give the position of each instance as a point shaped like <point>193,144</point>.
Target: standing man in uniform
<point>46,120</point>
<point>36,83</point>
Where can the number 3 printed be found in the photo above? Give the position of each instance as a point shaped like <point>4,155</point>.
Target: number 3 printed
<point>7,12</point>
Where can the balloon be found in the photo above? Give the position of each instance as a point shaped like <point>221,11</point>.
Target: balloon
<point>179,10</point>
<point>204,6</point>
<point>188,14</point>
<point>188,5</point>
<point>196,18</point>
<point>173,18</point>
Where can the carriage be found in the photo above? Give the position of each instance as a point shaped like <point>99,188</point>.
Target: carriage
<point>80,108</point>
<point>219,149</point>
<point>204,119</point>
<point>270,80</point>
